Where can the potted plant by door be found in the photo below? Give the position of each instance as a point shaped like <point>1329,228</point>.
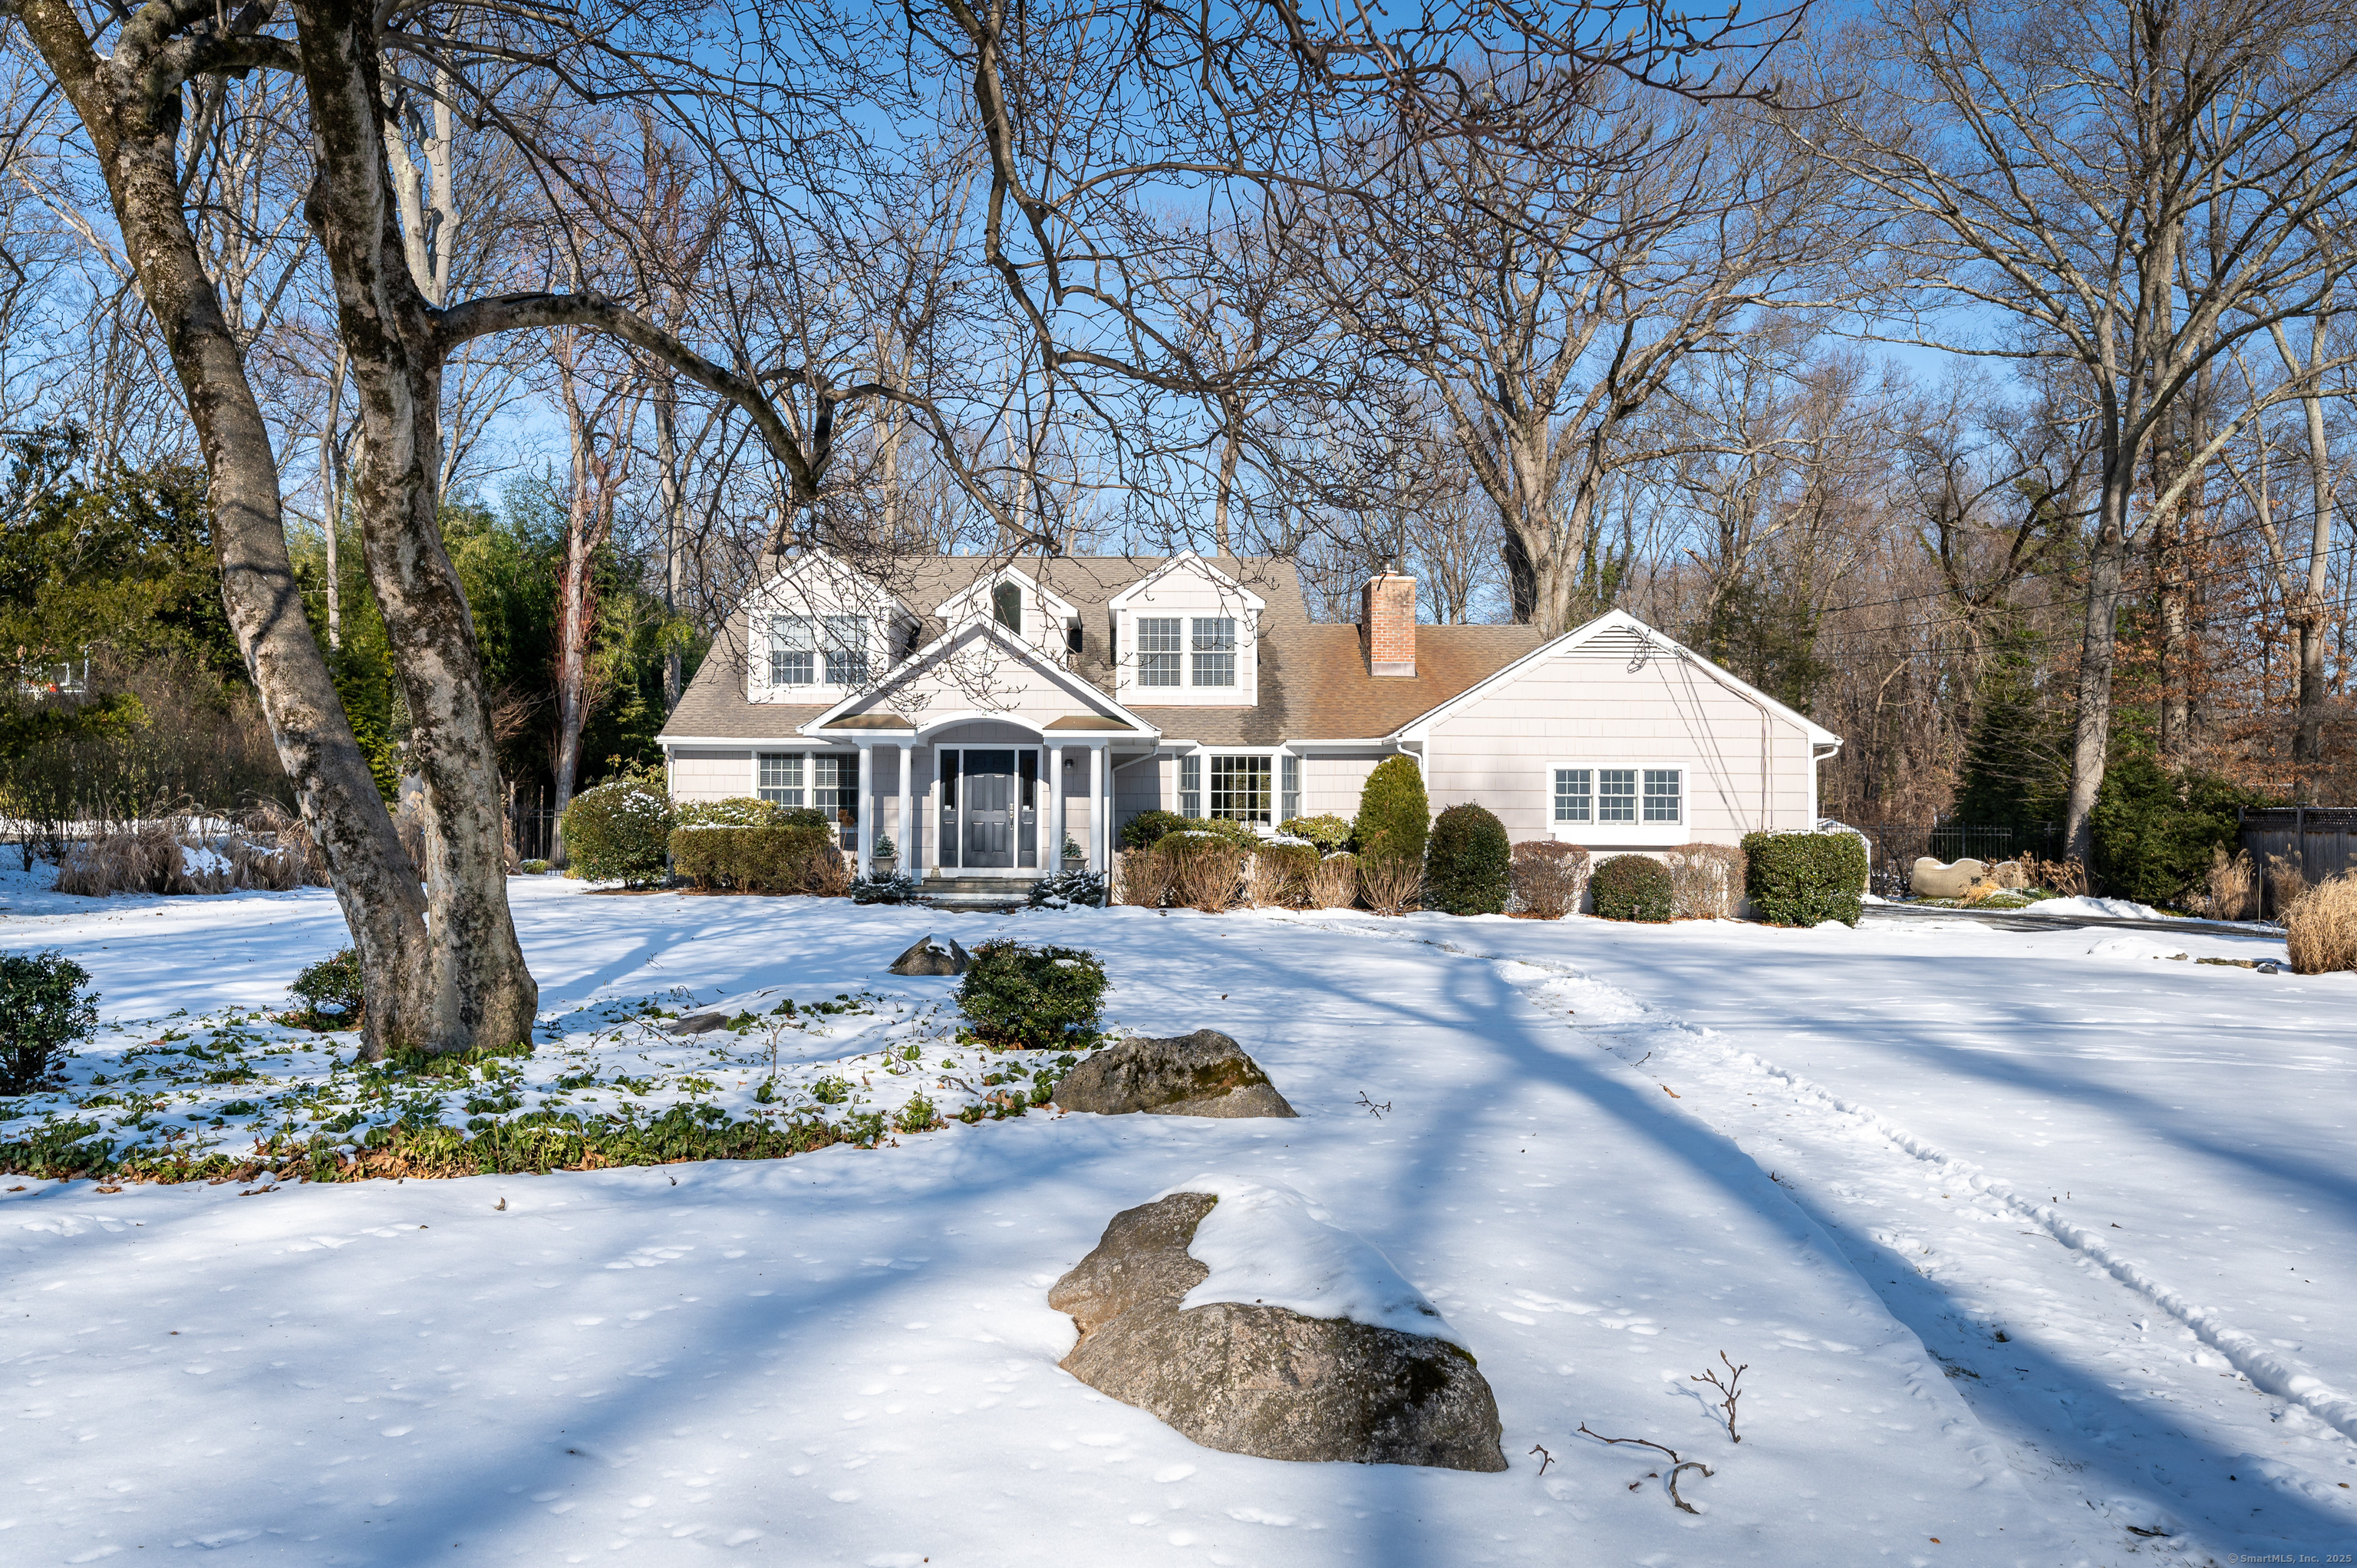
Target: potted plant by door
<point>884,857</point>
<point>1075,857</point>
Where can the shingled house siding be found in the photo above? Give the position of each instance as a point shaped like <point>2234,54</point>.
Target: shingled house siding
<point>1142,787</point>
<point>1597,712</point>
<point>711,775</point>
<point>1331,783</point>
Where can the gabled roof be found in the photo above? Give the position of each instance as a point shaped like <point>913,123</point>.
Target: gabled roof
<point>1186,560</point>
<point>1314,683</point>
<point>1615,632</point>
<point>1085,692</point>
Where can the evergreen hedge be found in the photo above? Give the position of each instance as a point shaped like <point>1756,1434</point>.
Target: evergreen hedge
<point>1801,879</point>
<point>618,832</point>
<point>1467,865</point>
<point>2154,832</point>
<point>1395,818</point>
<point>1633,888</point>
<point>752,860</point>
<point>44,1007</point>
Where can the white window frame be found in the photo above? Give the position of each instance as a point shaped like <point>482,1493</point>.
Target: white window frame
<point>829,660</point>
<point>1199,759</point>
<point>845,788</point>
<point>1640,831</point>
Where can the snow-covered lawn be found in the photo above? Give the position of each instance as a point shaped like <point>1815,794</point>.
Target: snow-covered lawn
<point>1852,1160</point>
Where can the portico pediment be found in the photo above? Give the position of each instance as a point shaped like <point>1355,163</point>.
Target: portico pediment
<point>981,669</point>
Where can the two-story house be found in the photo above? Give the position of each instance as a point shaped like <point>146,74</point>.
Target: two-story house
<point>982,712</point>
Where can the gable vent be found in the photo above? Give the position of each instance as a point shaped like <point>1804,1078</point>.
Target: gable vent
<point>1621,645</point>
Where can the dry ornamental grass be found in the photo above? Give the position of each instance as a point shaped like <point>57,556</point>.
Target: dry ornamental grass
<point>2321,927</point>
<point>1335,884</point>
<point>1392,885</point>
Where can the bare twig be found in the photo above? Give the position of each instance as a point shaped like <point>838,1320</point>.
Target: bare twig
<point>1646,1441</point>
<point>1678,1469</point>
<point>1729,1390</point>
<point>1372,1109</point>
<point>1546,1458</point>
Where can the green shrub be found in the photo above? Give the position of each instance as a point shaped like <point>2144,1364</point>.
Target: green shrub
<point>746,811</point>
<point>919,1115</point>
<point>1393,816</point>
<point>2154,832</point>
<point>1329,833</point>
<point>1801,879</point>
<point>619,831</point>
<point>1549,878</point>
<point>333,993</point>
<point>754,860</point>
<point>1042,998</point>
<point>1466,863</point>
<point>43,1009</point>
<point>1142,831</point>
<point>1633,888</point>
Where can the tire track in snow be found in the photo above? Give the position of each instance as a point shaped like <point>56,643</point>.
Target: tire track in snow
<point>2243,1350</point>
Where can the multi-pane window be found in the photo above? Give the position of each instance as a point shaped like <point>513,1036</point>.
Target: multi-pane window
<point>782,777</point>
<point>1157,651</point>
<point>846,651</point>
<point>1190,786</point>
<point>835,789</point>
<point>1661,795</point>
<point>1215,651</point>
<point>1288,775</point>
<point>1616,794</point>
<point>1239,788</point>
<point>1575,794</point>
<point>792,651</point>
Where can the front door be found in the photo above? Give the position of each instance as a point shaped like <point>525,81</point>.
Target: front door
<point>988,793</point>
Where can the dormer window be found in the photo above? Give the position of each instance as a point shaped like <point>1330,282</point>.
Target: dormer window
<point>800,645</point>
<point>1007,600</point>
<point>1215,651</point>
<point>1158,650</point>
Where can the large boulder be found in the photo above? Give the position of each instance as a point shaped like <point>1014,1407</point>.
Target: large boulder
<point>1259,1379</point>
<point>1932,880</point>
<point>1202,1074</point>
<point>929,957</point>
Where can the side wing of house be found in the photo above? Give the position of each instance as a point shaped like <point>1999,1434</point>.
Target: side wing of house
<point>1614,736</point>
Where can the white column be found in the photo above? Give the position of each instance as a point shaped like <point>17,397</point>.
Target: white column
<point>863,812</point>
<point>1055,807</point>
<point>1096,808</point>
<point>901,833</point>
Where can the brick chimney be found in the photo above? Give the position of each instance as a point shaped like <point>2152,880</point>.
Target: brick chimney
<point>1387,612</point>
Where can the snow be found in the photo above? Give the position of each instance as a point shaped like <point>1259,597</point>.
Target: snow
<point>1266,1244</point>
<point>2023,1248</point>
<point>2081,908</point>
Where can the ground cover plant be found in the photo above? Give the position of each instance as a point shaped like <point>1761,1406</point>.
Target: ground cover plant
<point>251,1095</point>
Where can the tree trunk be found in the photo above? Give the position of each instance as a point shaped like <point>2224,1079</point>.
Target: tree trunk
<point>675,506</point>
<point>472,988</point>
<point>2091,737</point>
<point>130,109</point>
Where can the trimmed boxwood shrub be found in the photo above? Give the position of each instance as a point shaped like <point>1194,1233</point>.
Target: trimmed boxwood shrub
<point>44,1009</point>
<point>1633,888</point>
<point>1801,879</point>
<point>754,860</point>
<point>1548,878</point>
<point>1329,833</point>
<point>1393,815</point>
<point>1042,998</point>
<point>2154,832</point>
<point>1465,865</point>
<point>618,832</point>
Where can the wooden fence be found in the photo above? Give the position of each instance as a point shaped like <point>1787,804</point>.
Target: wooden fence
<point>2320,840</point>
